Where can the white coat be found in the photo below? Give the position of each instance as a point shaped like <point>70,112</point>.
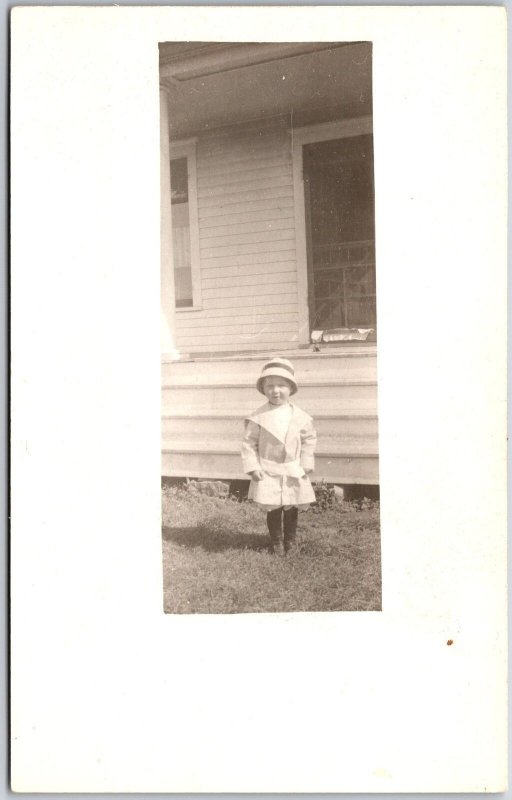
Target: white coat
<point>283,458</point>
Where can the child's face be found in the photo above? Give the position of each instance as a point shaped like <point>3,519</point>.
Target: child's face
<point>277,390</point>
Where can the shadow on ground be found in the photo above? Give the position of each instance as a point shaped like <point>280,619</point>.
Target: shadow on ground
<point>215,542</point>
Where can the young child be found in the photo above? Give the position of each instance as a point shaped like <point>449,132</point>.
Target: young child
<point>277,452</point>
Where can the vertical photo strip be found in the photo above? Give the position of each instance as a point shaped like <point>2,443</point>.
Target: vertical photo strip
<point>270,477</point>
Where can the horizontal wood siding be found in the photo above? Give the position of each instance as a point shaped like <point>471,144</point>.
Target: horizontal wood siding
<point>252,302</point>
<point>242,217</point>
<point>248,260</point>
<point>276,204</point>
<point>221,273</point>
<point>248,280</point>
<point>246,243</point>
<point>284,312</point>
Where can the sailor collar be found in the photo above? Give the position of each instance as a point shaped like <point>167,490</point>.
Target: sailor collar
<point>264,417</point>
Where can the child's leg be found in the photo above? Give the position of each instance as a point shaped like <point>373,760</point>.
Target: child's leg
<point>290,527</point>
<point>275,529</point>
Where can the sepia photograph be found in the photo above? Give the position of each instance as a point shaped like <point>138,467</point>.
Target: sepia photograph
<point>270,478</point>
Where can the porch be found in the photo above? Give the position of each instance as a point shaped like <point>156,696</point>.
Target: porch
<point>205,401</point>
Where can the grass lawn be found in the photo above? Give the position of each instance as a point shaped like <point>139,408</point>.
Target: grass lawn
<point>216,558</point>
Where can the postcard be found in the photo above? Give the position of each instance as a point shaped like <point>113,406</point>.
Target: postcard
<point>258,399</point>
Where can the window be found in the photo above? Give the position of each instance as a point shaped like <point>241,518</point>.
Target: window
<point>185,225</point>
<point>181,233</point>
<point>340,230</point>
<point>335,273</point>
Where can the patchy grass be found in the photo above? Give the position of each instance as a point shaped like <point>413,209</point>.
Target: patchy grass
<point>216,558</point>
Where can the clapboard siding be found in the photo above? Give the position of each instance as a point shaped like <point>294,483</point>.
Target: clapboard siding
<point>246,242</point>
<point>269,206</point>
<point>237,322</point>
<point>264,235</point>
<point>236,290</point>
<point>231,229</point>
<point>246,280</point>
<point>248,155</point>
<point>186,317</point>
<point>250,302</point>
<point>234,200</point>
<point>233,220</point>
<point>246,249</point>
<point>249,177</point>
<point>232,189</point>
<point>243,326</point>
<point>247,169</point>
<point>247,259</point>
<point>216,273</point>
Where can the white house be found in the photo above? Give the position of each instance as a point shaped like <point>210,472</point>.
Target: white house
<point>267,236</point>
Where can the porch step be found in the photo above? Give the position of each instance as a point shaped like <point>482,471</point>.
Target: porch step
<point>353,362</point>
<point>205,400</point>
<point>218,459</point>
<point>360,393</point>
<point>199,425</point>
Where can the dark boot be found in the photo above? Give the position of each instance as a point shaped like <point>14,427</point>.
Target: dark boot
<point>290,528</point>
<point>276,531</point>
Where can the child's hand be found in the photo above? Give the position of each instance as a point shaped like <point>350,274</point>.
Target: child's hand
<point>257,474</point>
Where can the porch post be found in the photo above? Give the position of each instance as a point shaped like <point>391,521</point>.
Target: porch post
<point>167,312</point>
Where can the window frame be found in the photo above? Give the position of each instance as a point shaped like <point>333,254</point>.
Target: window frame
<point>187,148</point>
<point>310,134</point>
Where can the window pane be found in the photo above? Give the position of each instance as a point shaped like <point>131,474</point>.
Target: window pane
<point>181,236</point>
<point>181,233</point>
<point>361,312</point>
<point>179,181</point>
<point>183,287</point>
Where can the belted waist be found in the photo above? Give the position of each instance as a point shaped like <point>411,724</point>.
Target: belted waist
<point>291,468</point>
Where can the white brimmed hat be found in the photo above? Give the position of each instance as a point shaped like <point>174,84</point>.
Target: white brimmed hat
<point>277,368</point>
